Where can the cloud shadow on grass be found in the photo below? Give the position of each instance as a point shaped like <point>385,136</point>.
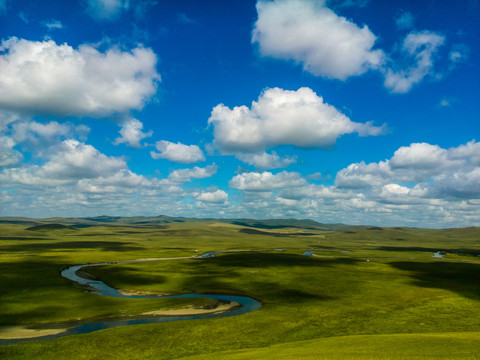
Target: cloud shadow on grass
<point>71,245</point>
<point>461,278</point>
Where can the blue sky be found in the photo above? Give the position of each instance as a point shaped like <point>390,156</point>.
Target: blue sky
<point>361,112</point>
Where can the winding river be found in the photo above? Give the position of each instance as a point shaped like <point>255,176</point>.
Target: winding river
<point>247,304</point>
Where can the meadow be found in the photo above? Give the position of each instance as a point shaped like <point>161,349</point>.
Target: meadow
<point>366,292</point>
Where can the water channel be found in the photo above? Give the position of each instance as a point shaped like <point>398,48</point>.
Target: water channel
<point>247,304</point>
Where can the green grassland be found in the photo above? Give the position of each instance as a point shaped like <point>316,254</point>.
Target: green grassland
<point>368,293</point>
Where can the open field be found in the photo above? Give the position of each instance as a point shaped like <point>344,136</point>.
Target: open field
<point>367,292</point>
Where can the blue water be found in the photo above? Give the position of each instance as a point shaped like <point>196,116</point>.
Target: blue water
<point>100,288</point>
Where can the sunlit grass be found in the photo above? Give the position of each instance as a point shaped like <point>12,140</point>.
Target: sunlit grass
<point>363,284</point>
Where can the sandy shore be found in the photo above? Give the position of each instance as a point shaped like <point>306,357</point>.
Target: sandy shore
<point>140,293</point>
<point>191,310</point>
<point>20,332</point>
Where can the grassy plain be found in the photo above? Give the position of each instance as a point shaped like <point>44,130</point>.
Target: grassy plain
<point>367,293</point>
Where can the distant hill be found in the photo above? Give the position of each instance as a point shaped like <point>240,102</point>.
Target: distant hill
<point>154,221</point>
<point>50,227</point>
<point>161,220</point>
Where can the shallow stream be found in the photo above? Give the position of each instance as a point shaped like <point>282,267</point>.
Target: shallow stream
<point>100,288</point>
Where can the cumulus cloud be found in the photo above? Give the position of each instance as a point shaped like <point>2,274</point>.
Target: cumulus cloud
<point>282,117</point>
<point>419,48</point>
<point>186,175</point>
<point>124,179</point>
<point>32,130</point>
<point>41,139</point>
<point>41,77</point>
<point>437,172</point>
<point>266,161</point>
<point>329,45</point>
<point>77,160</point>
<point>313,35</point>
<point>215,197</point>
<point>73,161</point>
<point>131,133</point>
<point>185,154</point>
<point>9,157</point>
<point>265,181</point>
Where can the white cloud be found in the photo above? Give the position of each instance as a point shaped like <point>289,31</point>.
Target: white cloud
<point>419,156</point>
<point>30,130</point>
<point>436,172</point>
<point>106,10</point>
<point>265,181</point>
<point>329,45</point>
<point>124,179</point>
<point>42,139</point>
<point>9,157</point>
<point>131,133</point>
<point>72,161</point>
<point>53,24</point>
<point>266,161</point>
<point>77,160</point>
<point>41,77</point>
<point>216,197</point>
<point>405,20</point>
<point>462,183</point>
<point>311,34</point>
<point>282,117</point>
<point>185,154</point>
<point>419,48</point>
<point>78,179</point>
<point>186,175</point>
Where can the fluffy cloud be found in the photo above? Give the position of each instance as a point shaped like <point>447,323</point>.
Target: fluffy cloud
<point>131,133</point>
<point>215,197</point>
<point>266,161</point>
<point>265,181</point>
<point>38,137</point>
<point>124,179</point>
<point>78,178</point>
<point>41,77</point>
<point>72,161</point>
<point>419,47</point>
<point>185,154</point>
<point>77,160</point>
<point>9,157</point>
<point>186,175</point>
<point>311,34</point>
<point>282,117</point>
<point>437,172</point>
<point>329,45</point>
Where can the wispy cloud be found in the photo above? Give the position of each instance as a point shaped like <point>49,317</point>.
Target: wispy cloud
<point>53,24</point>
